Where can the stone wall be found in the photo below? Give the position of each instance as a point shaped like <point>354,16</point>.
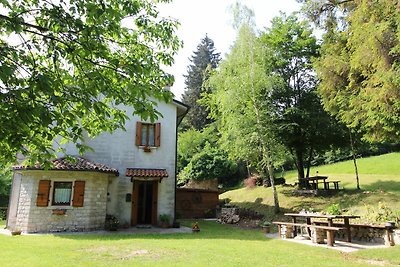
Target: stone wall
<point>27,217</point>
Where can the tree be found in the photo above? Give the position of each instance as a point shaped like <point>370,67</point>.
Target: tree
<point>241,104</point>
<point>203,61</point>
<point>5,186</point>
<point>359,68</point>
<point>209,163</point>
<point>301,123</point>
<point>66,66</point>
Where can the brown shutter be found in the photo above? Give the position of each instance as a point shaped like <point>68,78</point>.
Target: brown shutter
<point>157,134</point>
<point>138,133</point>
<point>42,199</point>
<point>79,194</point>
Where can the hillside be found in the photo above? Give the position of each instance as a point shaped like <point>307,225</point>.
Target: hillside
<point>379,181</point>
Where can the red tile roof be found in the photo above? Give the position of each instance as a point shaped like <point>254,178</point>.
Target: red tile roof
<point>65,164</point>
<point>138,172</point>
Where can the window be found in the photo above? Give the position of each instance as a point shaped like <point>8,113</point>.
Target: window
<point>62,193</point>
<point>148,134</point>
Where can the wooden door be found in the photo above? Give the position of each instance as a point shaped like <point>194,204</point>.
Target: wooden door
<point>144,202</point>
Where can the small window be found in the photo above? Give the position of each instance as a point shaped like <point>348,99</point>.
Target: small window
<point>147,135</point>
<point>62,193</point>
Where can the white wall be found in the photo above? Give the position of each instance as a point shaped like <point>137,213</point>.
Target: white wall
<point>118,150</point>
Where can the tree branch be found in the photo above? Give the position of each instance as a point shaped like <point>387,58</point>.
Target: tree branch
<point>13,20</point>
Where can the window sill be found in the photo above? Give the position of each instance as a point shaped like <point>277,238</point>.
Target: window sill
<point>59,207</point>
<point>59,211</point>
<point>147,149</point>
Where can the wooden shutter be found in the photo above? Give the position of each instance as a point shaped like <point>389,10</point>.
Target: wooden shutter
<point>138,133</point>
<point>157,134</point>
<point>42,199</point>
<point>79,194</point>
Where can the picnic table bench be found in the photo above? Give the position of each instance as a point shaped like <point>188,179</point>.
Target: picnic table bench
<point>314,181</point>
<point>330,236</point>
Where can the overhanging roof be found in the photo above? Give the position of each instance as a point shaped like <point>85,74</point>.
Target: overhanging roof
<point>146,173</point>
<point>71,163</point>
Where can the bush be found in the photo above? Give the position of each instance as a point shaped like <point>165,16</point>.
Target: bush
<point>334,209</point>
<point>382,213</point>
<point>210,163</point>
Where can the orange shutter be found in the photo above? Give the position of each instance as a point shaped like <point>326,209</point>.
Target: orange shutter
<point>138,133</point>
<point>42,199</point>
<point>157,134</point>
<point>79,193</point>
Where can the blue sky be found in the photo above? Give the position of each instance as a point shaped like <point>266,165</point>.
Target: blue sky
<point>212,17</point>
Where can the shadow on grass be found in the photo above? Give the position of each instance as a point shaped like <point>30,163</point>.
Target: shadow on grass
<point>388,186</point>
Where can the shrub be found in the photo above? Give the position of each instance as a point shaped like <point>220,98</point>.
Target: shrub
<point>382,213</point>
<point>334,209</point>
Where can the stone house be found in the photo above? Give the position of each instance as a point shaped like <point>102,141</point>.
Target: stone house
<point>129,174</point>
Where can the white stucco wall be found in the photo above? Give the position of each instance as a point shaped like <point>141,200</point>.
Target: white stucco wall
<point>118,150</point>
<point>27,217</point>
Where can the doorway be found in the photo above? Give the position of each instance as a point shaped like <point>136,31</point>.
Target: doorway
<point>144,202</point>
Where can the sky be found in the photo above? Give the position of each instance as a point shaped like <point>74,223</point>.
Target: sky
<point>212,17</point>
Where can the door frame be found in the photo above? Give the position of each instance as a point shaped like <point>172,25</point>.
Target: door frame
<point>135,201</point>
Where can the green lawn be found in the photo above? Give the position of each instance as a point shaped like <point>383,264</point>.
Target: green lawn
<point>215,245</point>
<point>379,180</point>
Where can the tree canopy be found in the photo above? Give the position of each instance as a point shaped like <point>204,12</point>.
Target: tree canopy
<point>359,67</point>
<point>240,102</point>
<point>67,65</point>
<point>203,61</point>
<point>300,121</point>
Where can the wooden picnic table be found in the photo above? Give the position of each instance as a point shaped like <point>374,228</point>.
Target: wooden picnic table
<point>328,217</point>
<point>312,182</point>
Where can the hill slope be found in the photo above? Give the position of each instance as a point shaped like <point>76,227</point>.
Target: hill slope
<point>379,181</point>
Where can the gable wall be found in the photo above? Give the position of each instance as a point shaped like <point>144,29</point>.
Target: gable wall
<point>118,150</point>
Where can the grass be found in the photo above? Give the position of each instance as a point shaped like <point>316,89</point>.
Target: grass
<point>379,180</point>
<point>371,170</point>
<point>215,245</point>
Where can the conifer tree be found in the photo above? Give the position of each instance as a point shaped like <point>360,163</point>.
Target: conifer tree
<point>203,60</point>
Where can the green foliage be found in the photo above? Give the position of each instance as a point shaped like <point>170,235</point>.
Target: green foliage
<point>381,213</point>
<point>5,185</point>
<point>192,142</point>
<point>301,123</point>
<point>209,163</point>
<point>204,60</point>
<point>66,72</point>
<point>333,209</point>
<point>359,69</point>
<point>165,218</point>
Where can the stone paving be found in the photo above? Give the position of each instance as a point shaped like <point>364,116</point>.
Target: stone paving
<point>339,245</point>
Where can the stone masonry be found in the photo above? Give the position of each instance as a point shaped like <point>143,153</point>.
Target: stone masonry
<point>30,218</point>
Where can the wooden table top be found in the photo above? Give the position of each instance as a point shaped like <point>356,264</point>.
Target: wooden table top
<point>326,216</point>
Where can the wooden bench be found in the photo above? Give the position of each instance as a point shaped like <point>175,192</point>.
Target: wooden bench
<point>330,235</point>
<point>389,238</point>
<point>335,184</point>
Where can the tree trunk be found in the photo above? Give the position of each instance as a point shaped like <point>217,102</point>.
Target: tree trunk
<point>309,162</point>
<point>300,168</point>
<point>274,192</point>
<point>354,159</point>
